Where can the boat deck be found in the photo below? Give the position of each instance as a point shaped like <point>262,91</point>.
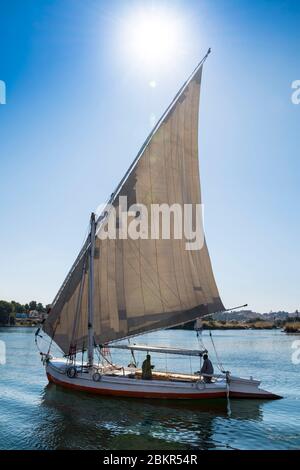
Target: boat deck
<point>170,376</point>
<point>129,372</point>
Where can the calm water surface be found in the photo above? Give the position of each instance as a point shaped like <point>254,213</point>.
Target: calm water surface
<point>35,415</point>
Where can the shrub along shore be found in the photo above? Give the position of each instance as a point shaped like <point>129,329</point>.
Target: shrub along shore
<point>286,326</point>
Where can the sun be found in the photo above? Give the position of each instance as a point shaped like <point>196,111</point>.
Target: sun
<point>153,36</point>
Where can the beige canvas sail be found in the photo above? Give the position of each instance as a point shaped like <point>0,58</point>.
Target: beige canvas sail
<point>144,284</point>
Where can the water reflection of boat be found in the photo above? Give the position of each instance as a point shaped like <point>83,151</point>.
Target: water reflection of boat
<point>247,410</point>
<point>82,420</point>
<point>239,408</point>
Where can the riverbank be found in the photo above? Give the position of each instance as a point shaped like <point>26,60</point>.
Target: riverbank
<point>287,327</point>
<point>292,328</point>
<point>208,325</point>
<point>32,324</point>
<point>231,325</point>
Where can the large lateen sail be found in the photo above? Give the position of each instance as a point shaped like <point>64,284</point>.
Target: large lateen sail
<point>144,284</point>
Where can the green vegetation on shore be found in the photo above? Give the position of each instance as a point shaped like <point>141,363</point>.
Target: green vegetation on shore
<point>236,325</point>
<point>8,310</point>
<point>289,325</point>
<point>292,327</point>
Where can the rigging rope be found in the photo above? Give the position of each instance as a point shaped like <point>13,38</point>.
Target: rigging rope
<point>107,360</point>
<point>219,363</point>
<point>228,394</point>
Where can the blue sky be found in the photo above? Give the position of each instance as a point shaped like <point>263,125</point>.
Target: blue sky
<point>79,106</point>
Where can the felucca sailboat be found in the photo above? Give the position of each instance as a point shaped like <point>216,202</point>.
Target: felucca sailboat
<point>120,287</point>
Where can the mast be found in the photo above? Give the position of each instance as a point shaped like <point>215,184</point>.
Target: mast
<point>91,293</point>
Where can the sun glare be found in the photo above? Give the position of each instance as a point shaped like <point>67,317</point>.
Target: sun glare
<point>153,37</point>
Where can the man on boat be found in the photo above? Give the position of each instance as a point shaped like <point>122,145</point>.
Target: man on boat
<point>207,368</point>
<point>147,368</point>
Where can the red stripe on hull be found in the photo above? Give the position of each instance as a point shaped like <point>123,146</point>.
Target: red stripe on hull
<point>133,394</point>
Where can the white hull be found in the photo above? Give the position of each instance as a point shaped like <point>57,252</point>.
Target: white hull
<point>127,383</point>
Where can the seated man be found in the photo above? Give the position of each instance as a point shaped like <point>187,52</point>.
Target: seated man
<point>207,368</point>
<point>147,368</point>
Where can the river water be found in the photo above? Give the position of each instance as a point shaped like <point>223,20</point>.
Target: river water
<point>36,415</point>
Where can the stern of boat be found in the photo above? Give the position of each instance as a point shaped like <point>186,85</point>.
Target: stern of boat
<point>248,388</point>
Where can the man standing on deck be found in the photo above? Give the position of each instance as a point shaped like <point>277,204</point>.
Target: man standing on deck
<point>147,368</point>
<point>207,368</point>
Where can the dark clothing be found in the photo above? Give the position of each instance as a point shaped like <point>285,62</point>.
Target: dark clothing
<point>207,368</point>
<point>147,370</point>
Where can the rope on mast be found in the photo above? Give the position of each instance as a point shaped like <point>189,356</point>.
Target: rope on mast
<point>219,363</point>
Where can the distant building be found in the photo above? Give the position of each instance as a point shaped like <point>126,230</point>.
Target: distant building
<point>34,314</point>
<point>21,316</point>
